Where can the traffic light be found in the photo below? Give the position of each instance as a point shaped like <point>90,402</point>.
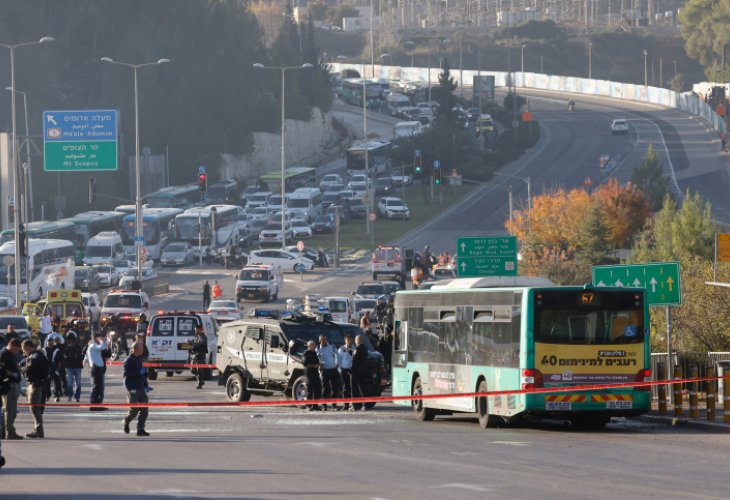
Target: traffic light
<point>22,240</point>
<point>418,168</point>
<point>92,189</point>
<point>202,182</point>
<point>437,176</point>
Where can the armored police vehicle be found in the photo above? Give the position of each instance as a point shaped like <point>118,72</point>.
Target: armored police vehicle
<point>263,355</point>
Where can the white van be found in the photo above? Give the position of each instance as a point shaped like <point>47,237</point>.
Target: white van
<point>396,102</point>
<point>104,247</point>
<point>340,308</point>
<point>407,129</point>
<point>169,335</point>
<point>306,202</point>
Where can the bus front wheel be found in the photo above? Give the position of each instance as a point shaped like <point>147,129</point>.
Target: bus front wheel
<point>485,419</point>
<point>422,413</point>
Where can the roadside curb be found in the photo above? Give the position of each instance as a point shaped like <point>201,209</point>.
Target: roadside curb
<point>689,423</point>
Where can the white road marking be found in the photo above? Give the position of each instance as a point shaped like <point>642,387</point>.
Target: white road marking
<point>174,493</point>
<point>313,443</point>
<point>462,453</point>
<point>510,443</point>
<point>92,446</point>
<point>464,486</point>
<point>335,421</point>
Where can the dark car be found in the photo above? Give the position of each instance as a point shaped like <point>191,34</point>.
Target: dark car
<point>330,198</point>
<point>383,185</point>
<point>342,210</point>
<point>86,279</point>
<point>323,224</point>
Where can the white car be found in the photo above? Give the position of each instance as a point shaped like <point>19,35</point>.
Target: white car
<point>301,229</point>
<point>259,213</point>
<point>358,183</point>
<point>360,305</point>
<point>619,126</point>
<point>402,180</point>
<point>330,180</point>
<point>287,261</point>
<point>391,208</point>
<point>224,310</point>
<point>108,274</point>
<point>271,233</point>
<point>147,274</point>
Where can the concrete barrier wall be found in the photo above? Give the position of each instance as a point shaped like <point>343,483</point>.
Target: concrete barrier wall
<point>687,101</point>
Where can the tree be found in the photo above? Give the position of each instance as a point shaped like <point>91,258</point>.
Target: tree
<point>624,210</point>
<point>445,117</point>
<point>592,243</point>
<point>705,27</point>
<point>677,82</point>
<point>649,176</point>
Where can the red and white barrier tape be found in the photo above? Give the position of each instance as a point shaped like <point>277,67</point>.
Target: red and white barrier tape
<point>166,365</point>
<point>374,399</point>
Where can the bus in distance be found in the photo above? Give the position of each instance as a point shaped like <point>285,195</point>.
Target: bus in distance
<point>48,266</point>
<point>90,224</point>
<point>352,92</point>
<point>157,229</point>
<point>186,196</point>
<point>213,227</point>
<point>294,178</point>
<point>53,230</point>
<point>378,157</point>
<point>501,334</point>
<point>223,192</point>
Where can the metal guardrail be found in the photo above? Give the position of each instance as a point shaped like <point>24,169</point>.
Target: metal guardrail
<point>684,360</point>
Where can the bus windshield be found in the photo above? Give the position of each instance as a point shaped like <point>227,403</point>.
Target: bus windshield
<point>588,317</point>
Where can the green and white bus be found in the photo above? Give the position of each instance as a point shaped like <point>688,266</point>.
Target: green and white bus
<point>44,230</point>
<point>294,178</point>
<point>514,333</point>
<point>184,197</point>
<point>352,92</point>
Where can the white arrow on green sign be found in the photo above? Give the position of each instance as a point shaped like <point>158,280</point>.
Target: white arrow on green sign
<point>487,246</point>
<point>661,280</point>
<point>474,267</point>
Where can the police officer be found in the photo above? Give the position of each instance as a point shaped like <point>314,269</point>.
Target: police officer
<point>310,360</point>
<point>327,354</point>
<point>344,360</point>
<point>198,354</point>
<point>36,371</point>
<point>206,294</point>
<point>358,375</point>
<point>10,374</point>
<point>135,383</point>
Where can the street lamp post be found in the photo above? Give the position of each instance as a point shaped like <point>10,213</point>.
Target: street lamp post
<point>522,58</point>
<point>527,181</point>
<point>590,60</point>
<point>16,176</point>
<point>27,173</point>
<point>138,222</point>
<point>541,70</point>
<point>283,140</point>
<point>646,74</point>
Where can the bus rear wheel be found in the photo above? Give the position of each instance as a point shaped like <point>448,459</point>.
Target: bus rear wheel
<point>486,420</point>
<point>422,413</point>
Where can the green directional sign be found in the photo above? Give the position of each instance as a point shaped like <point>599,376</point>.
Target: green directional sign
<point>661,280</point>
<point>487,246</point>
<point>80,141</point>
<point>473,267</point>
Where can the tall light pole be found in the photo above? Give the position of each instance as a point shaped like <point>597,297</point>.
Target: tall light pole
<point>646,74</point>
<point>527,181</point>
<point>372,47</point>
<point>283,140</point>
<point>27,173</point>
<point>522,58</point>
<point>590,60</point>
<point>138,223</point>
<point>541,69</point>
<point>16,175</point>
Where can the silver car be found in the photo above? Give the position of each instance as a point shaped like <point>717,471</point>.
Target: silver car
<point>177,253</point>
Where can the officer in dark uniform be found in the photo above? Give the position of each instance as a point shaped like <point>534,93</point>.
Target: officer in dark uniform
<point>198,354</point>
<point>314,383</point>
<point>358,374</point>
<point>35,368</point>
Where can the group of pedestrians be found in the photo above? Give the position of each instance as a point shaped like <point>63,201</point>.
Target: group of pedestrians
<point>336,373</point>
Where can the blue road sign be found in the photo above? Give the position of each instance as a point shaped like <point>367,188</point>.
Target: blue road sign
<point>201,169</point>
<point>417,152</point>
<point>436,164</point>
<point>82,125</point>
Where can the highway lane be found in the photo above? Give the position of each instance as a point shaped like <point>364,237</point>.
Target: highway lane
<point>278,453</point>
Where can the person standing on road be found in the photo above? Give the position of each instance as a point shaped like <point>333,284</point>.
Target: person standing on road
<point>10,373</point>
<point>206,295</point>
<point>94,359</point>
<point>74,361</point>
<point>46,327</point>
<point>344,360</point>
<point>198,355</point>
<point>359,370</point>
<point>135,383</point>
<point>217,290</point>
<point>58,370</point>
<point>365,321</point>
<point>327,354</point>
<point>36,373</point>
<point>314,384</point>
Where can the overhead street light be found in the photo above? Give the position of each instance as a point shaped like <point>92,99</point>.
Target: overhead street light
<point>590,60</point>
<point>283,70</point>
<point>646,74</point>
<point>27,173</point>
<point>14,164</point>
<point>138,234</point>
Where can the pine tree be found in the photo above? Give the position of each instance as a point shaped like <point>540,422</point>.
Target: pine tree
<point>649,176</point>
<point>592,244</point>
<point>445,116</point>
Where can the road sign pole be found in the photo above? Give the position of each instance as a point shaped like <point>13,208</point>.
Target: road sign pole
<point>670,364</point>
